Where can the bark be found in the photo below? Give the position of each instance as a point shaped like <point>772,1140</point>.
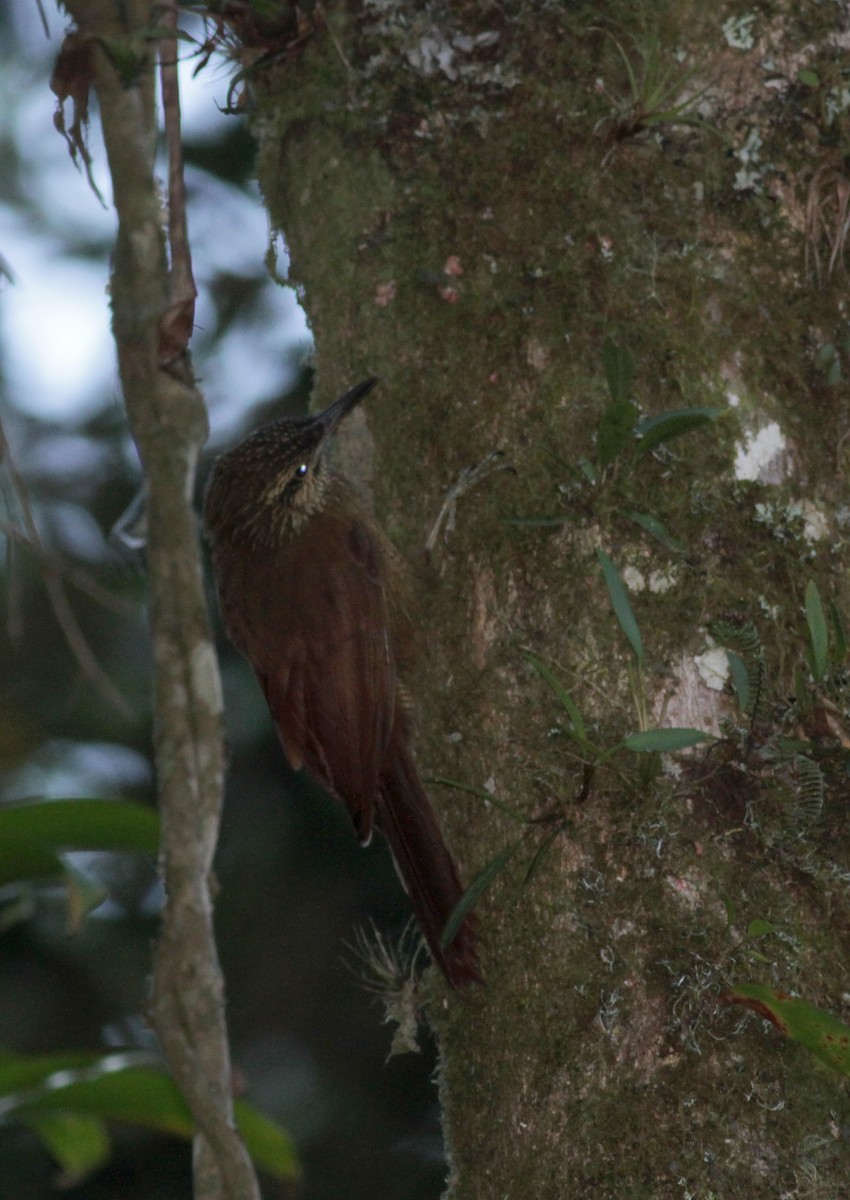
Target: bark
<point>527,147</point>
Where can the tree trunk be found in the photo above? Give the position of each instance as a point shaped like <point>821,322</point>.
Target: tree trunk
<point>475,199</point>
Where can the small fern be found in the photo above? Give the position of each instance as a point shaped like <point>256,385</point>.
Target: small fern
<point>743,641</point>
<point>807,805</point>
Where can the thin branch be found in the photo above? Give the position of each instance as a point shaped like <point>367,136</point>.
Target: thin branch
<point>168,422</point>
<point>80,578</point>
<point>55,588</point>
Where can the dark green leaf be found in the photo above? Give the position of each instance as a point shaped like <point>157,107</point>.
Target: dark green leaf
<point>540,853</point>
<point>22,858</point>
<point>615,431</point>
<point>33,833</point>
<point>818,636</point>
<point>475,890</point>
<point>666,741</point>
<point>838,634</point>
<point>658,530</point>
<point>84,824</point>
<point>621,605</point>
<point>740,679</point>
<point>566,700</point>
<point>482,794</point>
<point>759,928</point>
<point>619,370</point>
<point>652,431</point>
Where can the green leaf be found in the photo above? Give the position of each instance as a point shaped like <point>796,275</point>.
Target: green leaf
<point>620,603</point>
<point>838,634</point>
<point>808,77</point>
<point>818,636</point>
<point>740,679</point>
<point>821,1033</point>
<point>666,741</point>
<point>126,1086</point>
<point>270,1147</point>
<point>483,794</point>
<point>619,370</point>
<point>540,853</point>
<point>32,833</point>
<point>652,431</point>
<point>473,893</point>
<point>658,530</point>
<point>79,1144</point>
<point>615,431</point>
<point>566,700</point>
<point>21,858</point>
<point>759,928</point>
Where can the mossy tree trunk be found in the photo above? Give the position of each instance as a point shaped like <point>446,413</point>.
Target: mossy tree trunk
<point>476,197</point>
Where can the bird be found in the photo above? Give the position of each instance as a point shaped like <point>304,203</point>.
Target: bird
<point>316,597</point>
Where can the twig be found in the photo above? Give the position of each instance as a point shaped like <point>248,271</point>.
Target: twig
<point>55,588</point>
<point>467,479</point>
<point>75,575</point>
<point>178,320</point>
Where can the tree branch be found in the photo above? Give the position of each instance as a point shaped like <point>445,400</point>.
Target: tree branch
<point>168,422</point>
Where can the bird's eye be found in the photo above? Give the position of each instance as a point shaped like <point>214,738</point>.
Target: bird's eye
<point>301,471</point>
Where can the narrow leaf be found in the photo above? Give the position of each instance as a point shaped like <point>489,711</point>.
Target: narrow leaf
<point>821,1033</point>
<point>540,853</point>
<point>658,530</point>
<point>618,365</point>
<point>838,634</point>
<point>620,603</point>
<point>615,431</point>
<point>818,636</point>
<point>83,824</point>
<point>666,741</point>
<point>475,890</point>
<point>482,794</point>
<point>652,431</point>
<point>566,700</point>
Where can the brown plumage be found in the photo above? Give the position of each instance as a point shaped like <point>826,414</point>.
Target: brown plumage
<point>312,593</point>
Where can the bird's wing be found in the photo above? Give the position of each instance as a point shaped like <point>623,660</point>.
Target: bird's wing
<point>319,645</point>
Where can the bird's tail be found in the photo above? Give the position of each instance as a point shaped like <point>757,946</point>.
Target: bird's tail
<point>427,868</point>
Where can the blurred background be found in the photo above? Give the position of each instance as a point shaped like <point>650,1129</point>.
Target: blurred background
<point>308,1041</point>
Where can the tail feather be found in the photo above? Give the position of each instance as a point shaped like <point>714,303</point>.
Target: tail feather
<point>427,868</point>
